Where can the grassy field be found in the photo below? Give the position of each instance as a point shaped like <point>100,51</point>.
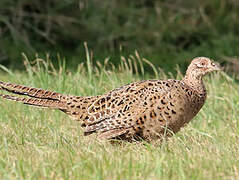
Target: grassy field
<point>45,144</point>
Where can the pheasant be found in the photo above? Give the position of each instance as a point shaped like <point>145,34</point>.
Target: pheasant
<point>146,110</point>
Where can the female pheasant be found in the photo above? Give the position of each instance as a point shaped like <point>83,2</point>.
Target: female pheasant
<point>141,110</point>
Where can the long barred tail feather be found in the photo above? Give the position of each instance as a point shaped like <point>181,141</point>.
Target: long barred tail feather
<point>38,97</point>
<point>37,102</point>
<point>31,92</point>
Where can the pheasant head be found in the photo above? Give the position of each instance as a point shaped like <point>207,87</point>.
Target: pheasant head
<point>199,67</point>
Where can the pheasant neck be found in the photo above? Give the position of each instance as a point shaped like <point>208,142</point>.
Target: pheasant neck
<point>195,82</point>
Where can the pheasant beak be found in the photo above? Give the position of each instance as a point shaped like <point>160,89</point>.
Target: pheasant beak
<point>216,67</point>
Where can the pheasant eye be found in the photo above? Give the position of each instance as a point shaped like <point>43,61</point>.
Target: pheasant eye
<point>201,64</point>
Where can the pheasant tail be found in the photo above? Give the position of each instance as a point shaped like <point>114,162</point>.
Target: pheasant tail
<point>29,91</point>
<point>38,97</point>
<point>36,102</point>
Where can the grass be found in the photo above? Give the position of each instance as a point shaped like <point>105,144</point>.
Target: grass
<point>45,144</point>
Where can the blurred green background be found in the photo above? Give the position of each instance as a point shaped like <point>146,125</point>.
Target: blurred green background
<point>164,31</point>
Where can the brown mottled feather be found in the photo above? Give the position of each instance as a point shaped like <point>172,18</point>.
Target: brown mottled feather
<point>141,110</point>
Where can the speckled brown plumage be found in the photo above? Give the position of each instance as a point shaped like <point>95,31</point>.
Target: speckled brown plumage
<point>141,110</point>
